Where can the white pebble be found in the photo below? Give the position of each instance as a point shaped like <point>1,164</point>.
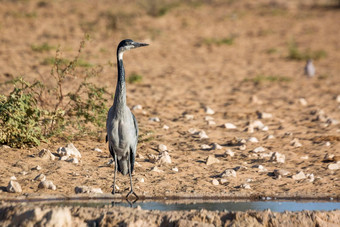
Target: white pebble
<point>141,180</point>
<point>40,177</point>
<point>245,186</point>
<point>165,127</point>
<point>229,152</point>
<point>211,123</point>
<point>211,160</point>
<point>223,181</point>
<point>69,150</point>
<point>97,150</point>
<point>253,140</point>
<point>154,119</point>
<point>229,126</point>
<point>37,168</point>
<point>228,173</point>
<point>338,98</point>
<point>216,146</point>
<point>305,157</point>
<point>264,115</point>
<point>296,143</point>
<point>192,130</point>
<point>208,118</point>
<point>299,176</point>
<point>203,135</point>
<point>14,187</point>
<point>269,137</point>
<point>155,169</point>
<point>175,169</point>
<point>47,185</point>
<point>209,111</point>
<point>189,116</point>
<point>205,147</point>
<point>215,182</point>
<point>242,147</point>
<point>162,147</point>
<point>137,107</point>
<point>303,102</point>
<point>13,178</point>
<point>164,158</point>
<point>334,166</point>
<point>277,157</point>
<point>259,149</point>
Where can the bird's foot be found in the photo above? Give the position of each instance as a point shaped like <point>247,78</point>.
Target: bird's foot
<point>127,196</point>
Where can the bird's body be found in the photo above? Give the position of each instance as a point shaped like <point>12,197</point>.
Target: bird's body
<point>309,68</point>
<point>121,124</point>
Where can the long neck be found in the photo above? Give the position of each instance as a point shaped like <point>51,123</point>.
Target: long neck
<point>120,96</point>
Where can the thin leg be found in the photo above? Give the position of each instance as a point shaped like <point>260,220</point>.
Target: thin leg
<point>131,191</point>
<point>114,178</point>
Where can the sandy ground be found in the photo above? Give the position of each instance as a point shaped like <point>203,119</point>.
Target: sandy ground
<point>182,75</point>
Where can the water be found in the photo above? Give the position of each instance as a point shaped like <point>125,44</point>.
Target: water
<point>173,205</point>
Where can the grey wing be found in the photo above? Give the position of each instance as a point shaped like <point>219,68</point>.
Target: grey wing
<point>133,151</point>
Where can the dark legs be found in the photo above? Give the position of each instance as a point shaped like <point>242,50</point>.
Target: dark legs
<point>114,178</point>
<point>131,191</point>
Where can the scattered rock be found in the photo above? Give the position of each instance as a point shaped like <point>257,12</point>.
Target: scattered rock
<point>189,116</point>
<point>68,151</point>
<point>280,172</point>
<point>240,168</point>
<point>208,118</point>
<point>310,177</point>
<point>164,158</point>
<point>305,157</point>
<point>223,181</point>
<point>37,168</point>
<point>152,158</point>
<point>337,98</point>
<point>110,163</point>
<point>140,179</point>
<point>299,176</point>
<point>162,147</point>
<point>155,169</point>
<point>259,149</point>
<point>331,158</point>
<point>296,143</point>
<point>260,168</point>
<point>229,153</point>
<point>236,142</point>
<point>14,187</point>
<point>303,102</point>
<point>211,160</point>
<point>255,125</point>
<point>165,127</point>
<point>255,100</point>
<point>215,182</point>
<point>245,186</point>
<point>96,149</point>
<point>13,178</point>
<point>205,147</point>
<point>264,115</point>
<point>57,217</point>
<point>334,166</point>
<point>88,190</point>
<point>211,123</point>
<point>229,126</point>
<point>154,119</point>
<point>175,169</point>
<point>277,157</point>
<point>40,177</point>
<point>46,154</point>
<point>253,140</point>
<point>228,173</point>
<point>137,107</point>
<point>242,147</point>
<point>47,184</point>
<point>209,111</point>
<point>73,160</point>
<point>192,130</point>
<point>269,137</point>
<point>216,146</point>
<point>203,135</point>
<point>5,147</point>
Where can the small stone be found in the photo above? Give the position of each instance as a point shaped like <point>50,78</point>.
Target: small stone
<point>259,149</point>
<point>260,167</point>
<point>209,111</point>
<point>96,149</point>
<point>46,154</point>
<point>305,157</point>
<point>165,127</point>
<point>215,182</point>
<point>154,119</point>
<point>229,153</point>
<point>229,126</point>
<point>242,147</point>
<point>269,137</point>
<point>164,158</point>
<point>310,177</point>
<point>277,157</point>
<point>152,158</point>
<point>162,147</point>
<point>47,185</point>
<point>24,173</point>
<point>303,102</point>
<point>299,176</point>
<point>205,147</point>
<point>189,116</point>
<point>14,187</point>
<point>40,177</point>
<point>63,158</point>
<point>216,146</point>
<point>137,107</point>
<point>110,163</point>
<point>253,140</point>
<point>228,173</point>
<point>223,181</point>
<point>175,169</point>
<point>13,178</point>
<point>203,135</point>
<point>240,168</point>
<point>192,130</point>
<point>211,123</point>
<point>245,186</point>
<point>155,169</point>
<point>69,150</point>
<point>328,158</point>
<point>37,168</point>
<point>255,100</point>
<point>265,128</point>
<point>249,180</point>
<point>327,144</point>
<point>88,190</point>
<point>264,115</point>
<point>296,143</point>
<point>137,164</point>
<point>280,172</point>
<point>5,147</point>
<point>255,125</point>
<point>334,166</point>
<point>338,98</point>
<point>141,180</point>
<point>208,118</point>
<point>211,160</point>
<point>332,121</point>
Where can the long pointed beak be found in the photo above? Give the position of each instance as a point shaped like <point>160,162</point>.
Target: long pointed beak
<point>136,44</point>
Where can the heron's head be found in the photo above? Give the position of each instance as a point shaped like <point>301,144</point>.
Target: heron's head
<point>128,44</point>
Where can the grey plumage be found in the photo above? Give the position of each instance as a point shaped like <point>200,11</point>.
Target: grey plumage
<point>121,124</point>
<point>309,68</point>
